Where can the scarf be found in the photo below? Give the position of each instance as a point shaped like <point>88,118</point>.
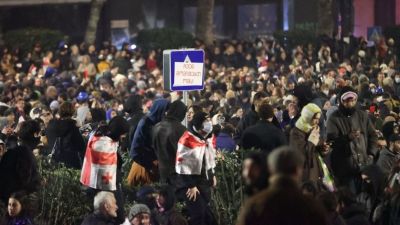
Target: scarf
<point>307,113</point>
<point>191,152</point>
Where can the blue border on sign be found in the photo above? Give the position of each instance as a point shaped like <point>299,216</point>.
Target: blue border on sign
<point>196,56</point>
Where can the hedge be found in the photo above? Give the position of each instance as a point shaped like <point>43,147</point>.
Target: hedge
<point>165,38</point>
<point>61,199</point>
<point>26,38</point>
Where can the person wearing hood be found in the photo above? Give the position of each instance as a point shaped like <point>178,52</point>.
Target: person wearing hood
<point>166,135</point>
<point>66,140</point>
<point>195,163</point>
<point>353,139</point>
<point>388,156</point>
<point>28,134</point>
<point>305,137</point>
<point>144,168</point>
<point>304,95</point>
<point>102,165</point>
<point>166,212</point>
<point>372,189</point>
<point>251,117</point>
<point>133,107</point>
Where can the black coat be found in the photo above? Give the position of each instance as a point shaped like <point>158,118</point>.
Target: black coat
<point>166,135</point>
<point>98,219</point>
<point>133,121</point>
<point>18,172</point>
<point>264,136</point>
<point>249,119</point>
<point>312,167</point>
<point>355,215</point>
<point>386,161</point>
<point>72,145</point>
<point>348,156</point>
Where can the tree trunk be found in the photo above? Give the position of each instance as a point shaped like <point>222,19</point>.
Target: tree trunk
<point>326,21</point>
<point>204,21</point>
<point>95,11</point>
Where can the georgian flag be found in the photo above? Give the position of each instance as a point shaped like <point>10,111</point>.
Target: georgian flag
<point>99,169</point>
<point>191,152</point>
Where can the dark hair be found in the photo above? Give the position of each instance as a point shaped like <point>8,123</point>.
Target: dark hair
<point>196,108</point>
<point>265,110</point>
<point>114,129</point>
<point>228,128</point>
<point>26,201</point>
<point>198,119</point>
<point>28,129</point>
<point>66,110</point>
<point>63,96</point>
<point>259,95</point>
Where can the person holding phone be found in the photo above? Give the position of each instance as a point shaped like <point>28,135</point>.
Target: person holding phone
<point>353,140</point>
<point>305,137</point>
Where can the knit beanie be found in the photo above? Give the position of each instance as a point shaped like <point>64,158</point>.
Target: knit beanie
<point>138,209</point>
<point>177,109</point>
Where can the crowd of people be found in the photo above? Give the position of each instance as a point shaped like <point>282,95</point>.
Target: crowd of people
<point>322,120</point>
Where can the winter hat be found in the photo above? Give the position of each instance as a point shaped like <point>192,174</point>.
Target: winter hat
<point>346,93</point>
<point>177,109</point>
<point>138,209</point>
<point>307,113</point>
<point>118,126</point>
<point>54,105</point>
<point>133,104</point>
<point>145,190</point>
<point>388,129</point>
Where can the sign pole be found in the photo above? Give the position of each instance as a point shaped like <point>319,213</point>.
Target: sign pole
<point>185,101</point>
<point>183,70</point>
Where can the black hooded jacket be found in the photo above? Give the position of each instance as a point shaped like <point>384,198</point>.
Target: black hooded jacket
<point>133,106</point>
<point>71,143</point>
<point>348,156</point>
<point>166,135</point>
<point>18,172</point>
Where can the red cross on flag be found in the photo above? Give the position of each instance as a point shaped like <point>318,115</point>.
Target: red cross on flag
<point>100,164</point>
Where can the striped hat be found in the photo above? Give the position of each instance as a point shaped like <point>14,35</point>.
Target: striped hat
<point>348,95</point>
